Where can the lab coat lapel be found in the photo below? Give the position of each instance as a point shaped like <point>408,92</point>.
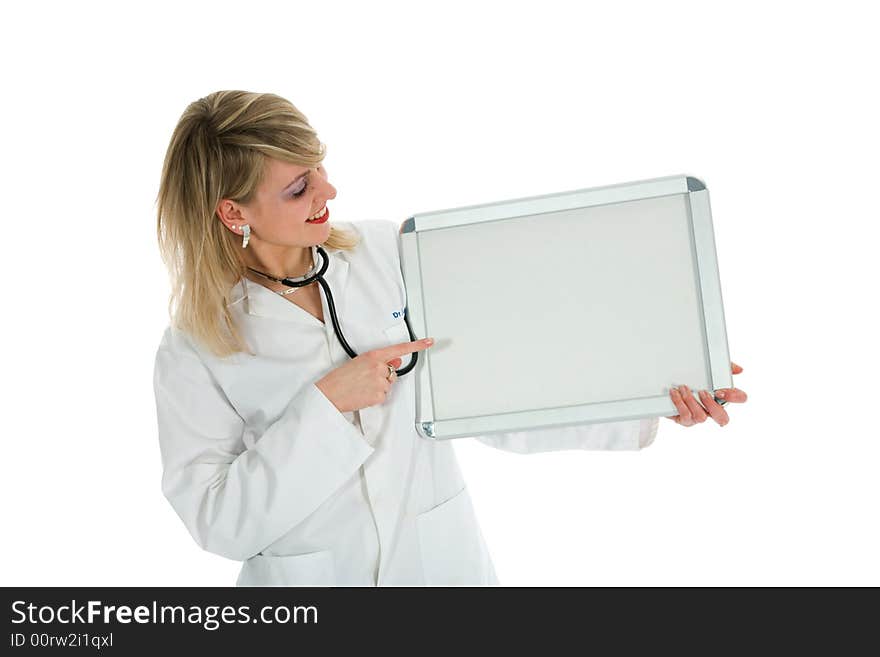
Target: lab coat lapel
<point>260,301</point>
<point>387,470</point>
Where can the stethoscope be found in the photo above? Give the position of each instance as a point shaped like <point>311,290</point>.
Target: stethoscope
<point>317,274</point>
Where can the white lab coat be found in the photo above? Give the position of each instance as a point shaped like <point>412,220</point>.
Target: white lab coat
<point>262,468</point>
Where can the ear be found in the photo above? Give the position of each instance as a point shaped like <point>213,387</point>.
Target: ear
<point>229,214</point>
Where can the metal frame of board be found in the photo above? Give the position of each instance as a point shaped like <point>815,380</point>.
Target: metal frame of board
<point>709,294</point>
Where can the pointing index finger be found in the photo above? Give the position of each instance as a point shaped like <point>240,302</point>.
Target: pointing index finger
<point>395,350</point>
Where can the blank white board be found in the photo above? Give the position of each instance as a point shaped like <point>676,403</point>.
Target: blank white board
<point>577,307</point>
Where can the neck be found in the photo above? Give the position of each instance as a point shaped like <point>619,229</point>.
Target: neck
<point>280,262</point>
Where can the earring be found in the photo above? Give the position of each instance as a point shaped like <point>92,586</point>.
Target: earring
<point>246,231</point>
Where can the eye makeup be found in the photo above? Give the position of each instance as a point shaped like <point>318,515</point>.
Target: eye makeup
<point>300,190</point>
<point>304,178</point>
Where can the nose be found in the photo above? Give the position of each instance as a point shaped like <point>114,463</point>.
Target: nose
<point>328,190</point>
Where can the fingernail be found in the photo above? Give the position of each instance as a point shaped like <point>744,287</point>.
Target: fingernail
<point>429,341</point>
<point>721,394</point>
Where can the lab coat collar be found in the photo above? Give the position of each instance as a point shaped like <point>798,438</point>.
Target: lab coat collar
<point>259,301</point>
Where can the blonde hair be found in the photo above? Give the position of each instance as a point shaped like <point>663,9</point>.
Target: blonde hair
<point>219,150</point>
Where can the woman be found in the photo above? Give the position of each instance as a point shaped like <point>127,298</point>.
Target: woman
<point>278,449</point>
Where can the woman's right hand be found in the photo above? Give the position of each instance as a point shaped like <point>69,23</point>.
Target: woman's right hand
<point>363,381</point>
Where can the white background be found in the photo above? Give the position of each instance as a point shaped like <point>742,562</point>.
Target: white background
<point>772,104</point>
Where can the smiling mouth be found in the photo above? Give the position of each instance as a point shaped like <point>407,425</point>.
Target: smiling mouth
<point>318,216</point>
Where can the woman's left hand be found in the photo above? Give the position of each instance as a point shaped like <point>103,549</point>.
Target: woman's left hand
<point>691,412</point>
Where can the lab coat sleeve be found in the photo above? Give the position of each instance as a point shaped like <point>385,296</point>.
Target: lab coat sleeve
<point>234,500</point>
<point>625,435</point>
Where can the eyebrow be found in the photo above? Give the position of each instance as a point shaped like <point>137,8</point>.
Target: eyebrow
<point>300,177</point>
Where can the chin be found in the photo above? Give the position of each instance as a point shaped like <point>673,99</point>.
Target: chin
<point>319,236</point>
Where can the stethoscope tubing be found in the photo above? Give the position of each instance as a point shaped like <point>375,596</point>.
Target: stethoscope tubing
<point>319,277</point>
